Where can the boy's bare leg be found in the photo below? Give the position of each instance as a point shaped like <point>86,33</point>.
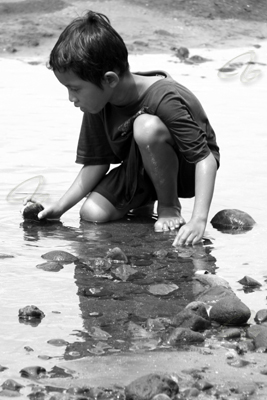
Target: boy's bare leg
<point>161,164</point>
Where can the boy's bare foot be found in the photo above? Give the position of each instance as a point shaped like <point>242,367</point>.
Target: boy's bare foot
<point>169,218</point>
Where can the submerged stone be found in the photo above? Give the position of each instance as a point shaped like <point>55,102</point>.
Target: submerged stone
<point>229,220</point>
<point>51,266</point>
<point>117,254</point>
<point>60,256</point>
<point>31,211</point>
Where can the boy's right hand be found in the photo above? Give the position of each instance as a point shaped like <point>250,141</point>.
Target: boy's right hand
<point>53,211</point>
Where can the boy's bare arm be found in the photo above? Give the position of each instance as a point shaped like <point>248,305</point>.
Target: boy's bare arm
<point>86,180</point>
<point>192,232</point>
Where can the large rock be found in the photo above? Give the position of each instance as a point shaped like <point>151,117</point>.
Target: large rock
<point>148,386</point>
<point>232,220</point>
<point>230,311</point>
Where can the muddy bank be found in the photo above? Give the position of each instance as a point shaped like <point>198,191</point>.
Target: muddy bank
<point>31,27</point>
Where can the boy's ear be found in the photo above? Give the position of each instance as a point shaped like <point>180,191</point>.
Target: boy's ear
<point>111,79</point>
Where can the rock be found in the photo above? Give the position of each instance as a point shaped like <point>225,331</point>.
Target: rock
<point>248,281</point>
<point>33,372</point>
<point>2,368</point>
<point>211,280</point>
<point>148,386</point>
<point>188,319</point>
<point>30,312</point>
<point>214,294</point>
<point>230,311</point>
<point>10,384</point>
<point>228,334</point>
<point>261,316</point>
<point>182,53</point>
<point>124,272</point>
<point>31,210</point>
<point>259,335</point>
<point>162,289</point>
<point>117,254</point>
<point>232,220</point>
<point>161,396</point>
<point>50,266</point>
<point>58,342</point>
<point>199,308</point>
<point>60,256</point>
<point>180,336</point>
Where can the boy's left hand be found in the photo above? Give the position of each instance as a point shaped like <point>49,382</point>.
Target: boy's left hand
<point>190,233</point>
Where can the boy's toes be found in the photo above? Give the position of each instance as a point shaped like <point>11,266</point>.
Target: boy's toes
<point>166,226</point>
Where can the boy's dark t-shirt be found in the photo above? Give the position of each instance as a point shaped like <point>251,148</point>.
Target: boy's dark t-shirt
<point>102,141</point>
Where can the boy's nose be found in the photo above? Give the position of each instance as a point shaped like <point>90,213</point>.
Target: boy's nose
<point>72,98</point>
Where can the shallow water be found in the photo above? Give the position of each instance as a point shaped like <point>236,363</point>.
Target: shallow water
<point>39,132</point>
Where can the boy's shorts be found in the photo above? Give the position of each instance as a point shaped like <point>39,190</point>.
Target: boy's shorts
<point>114,185</point>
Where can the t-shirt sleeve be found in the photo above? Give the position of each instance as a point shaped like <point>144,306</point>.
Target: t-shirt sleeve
<point>93,146</point>
<point>187,126</point>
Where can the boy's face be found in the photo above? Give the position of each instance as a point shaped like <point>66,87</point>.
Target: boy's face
<point>83,94</point>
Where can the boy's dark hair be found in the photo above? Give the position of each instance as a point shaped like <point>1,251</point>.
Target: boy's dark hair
<point>90,47</point>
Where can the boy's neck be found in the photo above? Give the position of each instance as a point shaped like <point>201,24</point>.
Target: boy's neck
<point>127,90</point>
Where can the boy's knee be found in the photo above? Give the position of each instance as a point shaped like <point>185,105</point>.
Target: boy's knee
<point>149,129</point>
<point>90,211</point>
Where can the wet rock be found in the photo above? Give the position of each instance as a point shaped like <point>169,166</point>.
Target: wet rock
<point>214,294</point>
<point>232,220</point>
<point>28,349</point>
<point>203,385</point>
<point>10,384</point>
<point>161,396</point>
<point>33,372</point>
<point>57,372</point>
<point>259,335</point>
<point>135,331</point>
<point>211,280</point>
<point>180,336</point>
<point>182,53</point>
<point>228,334</point>
<point>230,311</point>
<point>100,266</point>
<point>261,316</point>
<point>158,324</point>
<point>58,342</point>
<point>98,333</point>
<point>50,266</point>
<point>162,289</point>
<point>117,254</point>
<point>60,256</point>
<point>188,319</point>
<point>124,272</point>
<point>31,210</point>
<point>248,281</point>
<point>31,313</point>
<point>148,386</point>
<point>199,308</point>
<point>244,346</point>
<point>160,254</point>
<point>2,368</point>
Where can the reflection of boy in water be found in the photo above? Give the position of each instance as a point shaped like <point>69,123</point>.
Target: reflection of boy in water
<point>151,125</point>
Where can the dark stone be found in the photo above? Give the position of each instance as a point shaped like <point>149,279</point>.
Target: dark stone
<point>148,386</point>
<point>31,211</point>
<point>248,281</point>
<point>233,333</point>
<point>117,254</point>
<point>232,220</point>
<point>33,372</point>
<point>188,319</point>
<point>230,311</point>
<point>199,308</point>
<point>180,336</point>
<point>30,312</point>
<point>259,335</point>
<point>261,316</point>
